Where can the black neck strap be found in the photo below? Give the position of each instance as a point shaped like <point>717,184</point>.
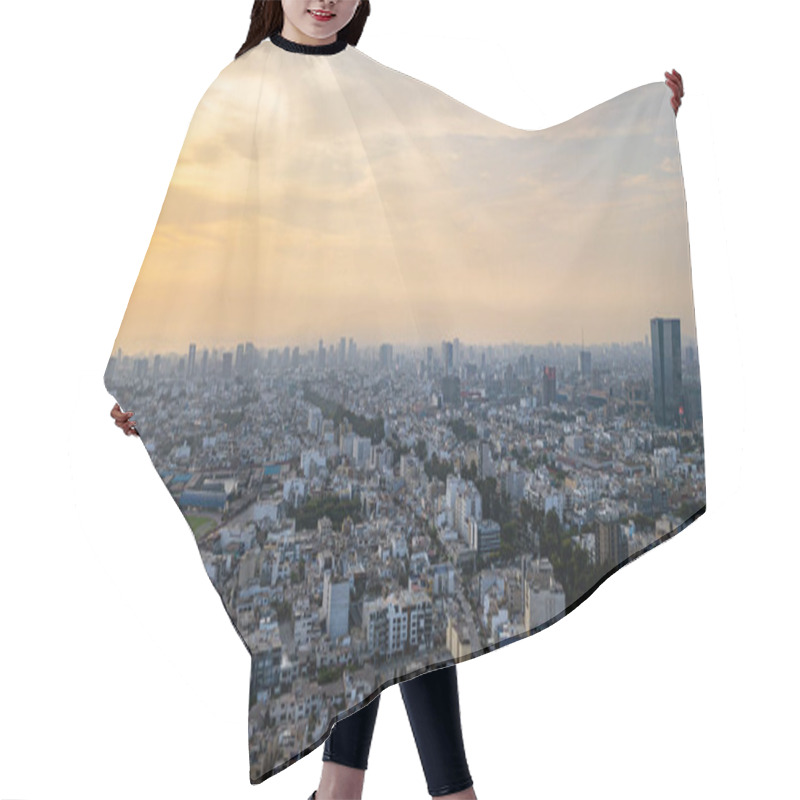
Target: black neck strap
<point>309,49</point>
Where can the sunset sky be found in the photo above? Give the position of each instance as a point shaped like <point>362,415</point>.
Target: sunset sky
<point>328,196</point>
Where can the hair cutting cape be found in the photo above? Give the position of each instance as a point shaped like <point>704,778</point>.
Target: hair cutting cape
<point>419,381</point>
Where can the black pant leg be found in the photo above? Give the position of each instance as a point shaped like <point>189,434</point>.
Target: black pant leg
<point>433,710</point>
<point>350,739</point>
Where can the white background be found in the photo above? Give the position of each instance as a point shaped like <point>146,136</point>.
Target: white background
<point>120,674</point>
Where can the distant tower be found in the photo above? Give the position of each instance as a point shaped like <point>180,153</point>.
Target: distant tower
<point>227,365</point>
<point>548,386</point>
<point>190,364</point>
<point>665,335</point>
<point>238,363</point>
<point>447,357</point>
<point>249,357</point>
<point>586,364</point>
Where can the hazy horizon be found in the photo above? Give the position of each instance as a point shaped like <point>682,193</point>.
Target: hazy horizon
<point>313,345</point>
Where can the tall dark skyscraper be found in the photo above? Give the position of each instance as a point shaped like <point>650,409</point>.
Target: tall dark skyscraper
<point>665,335</point>
<point>190,362</point>
<point>585,364</point>
<point>249,357</point>
<point>447,357</point>
<point>548,385</point>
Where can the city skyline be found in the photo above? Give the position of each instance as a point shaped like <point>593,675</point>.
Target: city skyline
<point>333,342</point>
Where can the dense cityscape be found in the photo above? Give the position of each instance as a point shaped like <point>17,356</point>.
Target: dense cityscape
<point>366,513</point>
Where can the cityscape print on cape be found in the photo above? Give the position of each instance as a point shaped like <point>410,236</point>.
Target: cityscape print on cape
<point>418,381</point>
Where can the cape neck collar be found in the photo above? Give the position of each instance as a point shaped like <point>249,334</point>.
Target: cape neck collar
<point>308,49</point>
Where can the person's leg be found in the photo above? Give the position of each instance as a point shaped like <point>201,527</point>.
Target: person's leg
<point>346,754</point>
<point>434,713</point>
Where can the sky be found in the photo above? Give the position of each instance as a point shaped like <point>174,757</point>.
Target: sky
<point>317,197</point>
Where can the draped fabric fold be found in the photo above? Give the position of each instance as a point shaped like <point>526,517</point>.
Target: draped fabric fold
<point>419,381</point>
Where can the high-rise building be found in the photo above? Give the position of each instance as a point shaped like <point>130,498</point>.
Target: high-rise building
<point>190,363</point>
<point>336,605</point>
<point>249,357</point>
<point>447,357</point>
<point>611,547</point>
<point>486,466</point>
<point>543,596</point>
<point>400,621</point>
<point>238,364</point>
<point>483,535</point>
<point>665,335</point>
<point>585,364</point>
<point>548,385</point>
